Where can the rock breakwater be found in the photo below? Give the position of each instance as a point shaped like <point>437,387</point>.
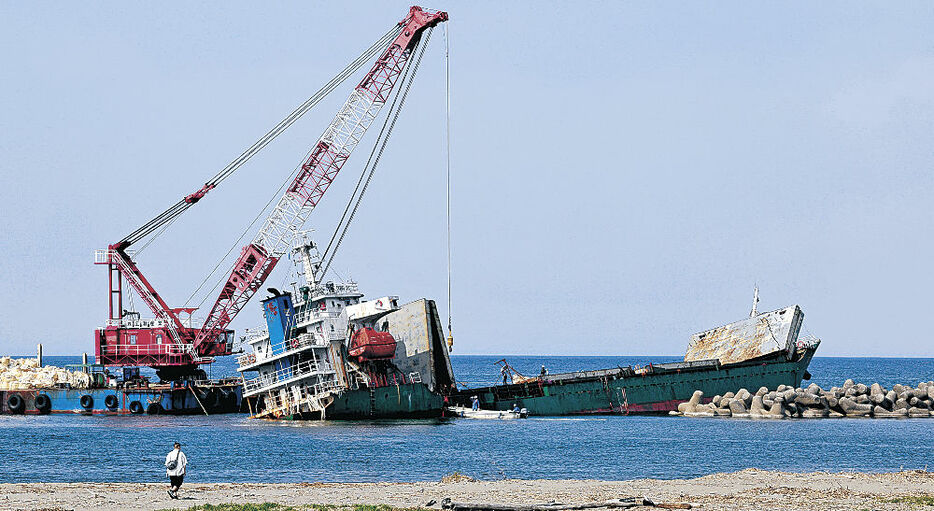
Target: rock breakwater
<point>850,400</point>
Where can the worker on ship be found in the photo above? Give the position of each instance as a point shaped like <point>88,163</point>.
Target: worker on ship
<point>476,403</point>
<point>505,372</point>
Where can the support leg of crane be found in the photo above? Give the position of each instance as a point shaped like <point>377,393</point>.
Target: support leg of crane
<point>195,394</point>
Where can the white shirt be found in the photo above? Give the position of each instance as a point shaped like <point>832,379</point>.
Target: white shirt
<point>176,454</point>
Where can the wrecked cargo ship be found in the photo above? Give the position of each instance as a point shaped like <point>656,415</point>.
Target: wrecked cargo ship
<point>328,353</point>
<point>760,351</point>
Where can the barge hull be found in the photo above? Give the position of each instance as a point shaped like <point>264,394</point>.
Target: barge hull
<point>657,390</point>
<point>153,401</point>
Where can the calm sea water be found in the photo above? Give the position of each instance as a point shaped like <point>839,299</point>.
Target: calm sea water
<point>234,448</point>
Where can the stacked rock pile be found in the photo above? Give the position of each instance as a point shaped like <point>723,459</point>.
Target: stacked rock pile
<point>850,400</point>
<point>25,373</point>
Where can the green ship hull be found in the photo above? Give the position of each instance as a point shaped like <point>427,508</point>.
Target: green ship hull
<point>408,401</point>
<point>651,390</point>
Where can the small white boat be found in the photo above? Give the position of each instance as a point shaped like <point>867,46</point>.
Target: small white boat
<point>469,413</point>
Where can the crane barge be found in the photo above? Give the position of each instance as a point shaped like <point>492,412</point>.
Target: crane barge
<point>169,342</point>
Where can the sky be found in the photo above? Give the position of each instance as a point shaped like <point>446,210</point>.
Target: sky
<point>623,173</point>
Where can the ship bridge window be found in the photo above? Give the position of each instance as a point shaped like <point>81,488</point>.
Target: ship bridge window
<point>332,328</point>
<point>158,338</point>
<point>132,338</point>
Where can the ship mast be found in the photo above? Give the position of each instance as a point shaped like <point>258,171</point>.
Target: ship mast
<point>755,303</point>
<point>307,253</point>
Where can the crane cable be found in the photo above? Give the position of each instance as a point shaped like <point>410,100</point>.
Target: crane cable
<point>155,236</point>
<point>236,243</point>
<point>363,172</point>
<point>181,206</point>
<point>447,150</point>
<point>384,134</point>
<point>376,48</point>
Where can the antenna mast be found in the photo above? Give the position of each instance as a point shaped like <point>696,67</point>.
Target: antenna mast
<point>755,303</point>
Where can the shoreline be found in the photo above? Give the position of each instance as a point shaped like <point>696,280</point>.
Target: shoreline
<point>750,489</point>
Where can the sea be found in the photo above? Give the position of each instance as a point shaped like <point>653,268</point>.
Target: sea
<point>233,448</point>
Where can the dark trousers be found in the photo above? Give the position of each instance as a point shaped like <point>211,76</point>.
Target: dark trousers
<point>177,480</point>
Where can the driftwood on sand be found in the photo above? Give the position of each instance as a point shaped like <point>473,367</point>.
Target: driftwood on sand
<point>623,503</point>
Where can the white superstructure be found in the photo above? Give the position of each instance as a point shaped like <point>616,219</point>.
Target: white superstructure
<point>300,359</point>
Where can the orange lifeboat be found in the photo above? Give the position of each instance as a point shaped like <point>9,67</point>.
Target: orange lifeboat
<point>368,344</point>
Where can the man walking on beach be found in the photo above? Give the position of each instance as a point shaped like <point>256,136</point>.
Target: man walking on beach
<point>175,462</point>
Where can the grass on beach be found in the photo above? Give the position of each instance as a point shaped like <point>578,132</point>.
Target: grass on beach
<point>272,506</point>
<point>917,500</point>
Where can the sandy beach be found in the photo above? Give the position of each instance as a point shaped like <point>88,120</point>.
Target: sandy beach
<point>750,489</point>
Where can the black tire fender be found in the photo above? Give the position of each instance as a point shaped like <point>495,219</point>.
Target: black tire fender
<point>136,408</point>
<point>111,401</point>
<point>214,399</point>
<point>87,402</point>
<point>15,403</point>
<point>228,399</point>
<point>43,403</point>
<point>203,395</point>
<point>154,408</point>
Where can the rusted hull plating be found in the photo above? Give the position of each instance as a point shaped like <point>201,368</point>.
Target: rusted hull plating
<point>748,338</point>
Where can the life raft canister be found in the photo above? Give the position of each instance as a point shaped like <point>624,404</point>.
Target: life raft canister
<point>43,403</point>
<point>15,403</point>
<point>368,344</point>
<point>87,402</point>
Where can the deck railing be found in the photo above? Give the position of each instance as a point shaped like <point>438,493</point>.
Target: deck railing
<point>145,349</point>
<point>332,288</point>
<point>286,347</point>
<point>314,397</point>
<point>289,373</point>
<point>309,314</point>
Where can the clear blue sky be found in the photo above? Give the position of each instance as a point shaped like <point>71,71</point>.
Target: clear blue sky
<point>624,172</point>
